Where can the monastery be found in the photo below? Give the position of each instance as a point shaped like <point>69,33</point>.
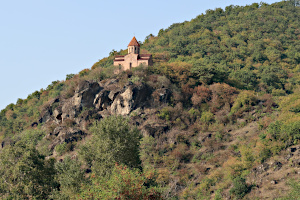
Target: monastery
<point>133,58</point>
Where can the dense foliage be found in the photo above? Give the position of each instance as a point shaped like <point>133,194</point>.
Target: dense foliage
<point>114,141</point>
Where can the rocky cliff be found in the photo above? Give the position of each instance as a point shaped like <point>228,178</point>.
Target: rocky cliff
<point>66,120</point>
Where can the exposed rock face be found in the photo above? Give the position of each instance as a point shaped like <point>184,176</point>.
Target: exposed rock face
<point>70,108</point>
<point>93,100</point>
<point>130,99</point>
<point>87,95</point>
<point>102,100</point>
<point>83,98</point>
<point>46,113</point>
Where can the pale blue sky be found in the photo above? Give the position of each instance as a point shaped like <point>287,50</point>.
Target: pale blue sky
<point>41,40</point>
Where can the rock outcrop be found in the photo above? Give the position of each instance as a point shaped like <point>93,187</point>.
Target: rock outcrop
<point>132,98</point>
<point>94,100</point>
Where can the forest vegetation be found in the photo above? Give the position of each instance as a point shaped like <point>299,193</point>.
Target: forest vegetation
<point>222,120</point>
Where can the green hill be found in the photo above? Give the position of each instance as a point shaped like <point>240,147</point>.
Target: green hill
<point>215,117</point>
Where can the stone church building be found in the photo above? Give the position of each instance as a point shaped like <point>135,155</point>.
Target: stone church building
<point>133,58</point>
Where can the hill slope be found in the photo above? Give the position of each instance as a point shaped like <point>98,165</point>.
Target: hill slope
<point>216,117</point>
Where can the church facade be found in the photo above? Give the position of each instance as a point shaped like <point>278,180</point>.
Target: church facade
<point>133,58</point>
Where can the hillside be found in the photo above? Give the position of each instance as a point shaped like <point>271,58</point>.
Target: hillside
<point>215,117</point>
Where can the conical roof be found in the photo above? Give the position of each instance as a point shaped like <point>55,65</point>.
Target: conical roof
<point>133,42</point>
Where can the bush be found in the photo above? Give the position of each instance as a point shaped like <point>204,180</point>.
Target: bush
<point>240,188</point>
<point>124,183</point>
<point>135,79</point>
<point>69,76</point>
<point>164,113</point>
<point>84,72</point>
<point>278,92</point>
<point>289,133</point>
<point>114,140</point>
<point>264,154</point>
<point>24,173</point>
<point>201,95</point>
<point>70,177</point>
<point>61,148</point>
<point>207,117</point>
<point>244,101</point>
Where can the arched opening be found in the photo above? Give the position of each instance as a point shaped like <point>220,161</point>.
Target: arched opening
<point>130,66</point>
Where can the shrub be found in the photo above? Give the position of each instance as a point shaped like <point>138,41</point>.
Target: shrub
<point>207,117</point>
<point>100,73</point>
<point>69,76</point>
<point>290,133</point>
<point>61,148</point>
<point>278,92</point>
<point>244,101</point>
<point>163,81</point>
<point>295,109</point>
<point>70,177</point>
<point>222,95</point>
<point>164,113</point>
<point>287,133</point>
<point>30,136</point>
<point>245,79</point>
<point>42,147</point>
<point>24,173</point>
<point>210,73</point>
<point>55,91</point>
<point>240,188</point>
<point>135,79</point>
<point>114,140</point>
<point>84,72</point>
<point>201,95</point>
<point>124,183</point>
<point>264,154</point>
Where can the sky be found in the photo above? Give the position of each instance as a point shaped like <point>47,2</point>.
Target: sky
<point>42,41</point>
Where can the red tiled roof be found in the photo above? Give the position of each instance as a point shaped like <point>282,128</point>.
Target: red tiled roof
<point>133,42</point>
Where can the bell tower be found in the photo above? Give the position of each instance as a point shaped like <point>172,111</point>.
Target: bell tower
<point>133,46</point>
<point>133,58</point>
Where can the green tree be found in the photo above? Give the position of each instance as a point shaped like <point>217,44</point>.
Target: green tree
<point>245,78</point>
<point>240,188</point>
<point>24,173</point>
<point>70,177</point>
<point>69,76</point>
<point>114,141</point>
<point>211,73</point>
<point>124,183</point>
